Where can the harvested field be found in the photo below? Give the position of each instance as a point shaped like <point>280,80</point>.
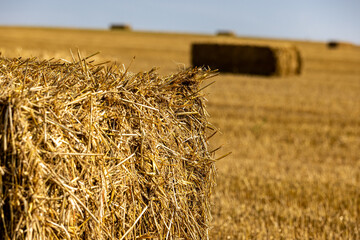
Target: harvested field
<point>294,168</point>
<point>96,152</point>
<point>247,59</point>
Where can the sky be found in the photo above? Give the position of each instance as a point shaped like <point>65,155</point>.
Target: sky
<point>315,20</point>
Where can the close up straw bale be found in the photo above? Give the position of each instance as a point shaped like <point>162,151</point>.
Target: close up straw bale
<point>90,151</point>
<point>247,59</point>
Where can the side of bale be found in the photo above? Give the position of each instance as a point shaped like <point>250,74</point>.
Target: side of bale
<point>247,59</point>
<point>288,61</point>
<point>94,152</point>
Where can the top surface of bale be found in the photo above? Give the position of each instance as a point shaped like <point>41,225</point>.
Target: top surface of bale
<point>247,59</point>
<point>94,152</point>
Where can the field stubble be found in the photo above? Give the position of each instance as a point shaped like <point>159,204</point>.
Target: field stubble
<point>294,171</point>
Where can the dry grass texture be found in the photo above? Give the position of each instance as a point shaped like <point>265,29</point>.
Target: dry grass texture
<point>247,59</point>
<point>94,152</point>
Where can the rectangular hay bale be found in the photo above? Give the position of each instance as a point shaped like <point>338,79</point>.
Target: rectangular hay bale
<point>94,152</point>
<point>339,44</point>
<point>122,27</point>
<point>247,59</point>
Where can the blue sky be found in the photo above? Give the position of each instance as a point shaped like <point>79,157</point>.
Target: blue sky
<point>321,20</point>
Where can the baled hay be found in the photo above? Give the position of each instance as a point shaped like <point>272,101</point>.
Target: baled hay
<point>123,27</point>
<point>247,59</point>
<point>333,44</point>
<point>93,152</point>
<point>338,44</point>
<point>226,33</point>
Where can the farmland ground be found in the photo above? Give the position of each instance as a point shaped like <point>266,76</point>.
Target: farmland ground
<point>294,171</point>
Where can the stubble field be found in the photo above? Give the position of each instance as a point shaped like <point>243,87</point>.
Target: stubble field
<point>294,171</point>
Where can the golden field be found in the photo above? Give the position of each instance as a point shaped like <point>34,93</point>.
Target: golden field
<point>294,171</point>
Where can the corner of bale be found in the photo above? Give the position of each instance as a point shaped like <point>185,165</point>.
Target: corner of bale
<point>94,152</point>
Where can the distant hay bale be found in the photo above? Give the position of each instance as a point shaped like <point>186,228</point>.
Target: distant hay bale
<point>122,27</point>
<point>247,59</point>
<point>332,44</point>
<point>337,44</point>
<point>94,152</point>
<point>226,33</point>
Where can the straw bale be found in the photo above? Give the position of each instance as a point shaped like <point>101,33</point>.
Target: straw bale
<point>226,33</point>
<point>123,27</point>
<point>333,44</point>
<point>95,152</point>
<point>338,44</point>
<point>247,59</point>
